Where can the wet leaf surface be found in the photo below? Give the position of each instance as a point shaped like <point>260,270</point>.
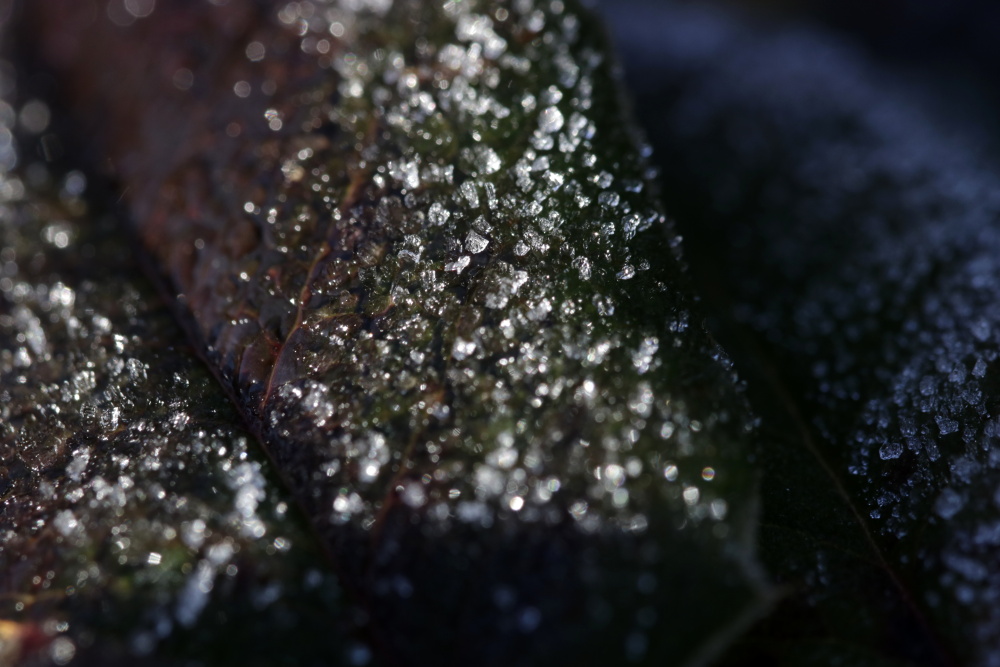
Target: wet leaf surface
<point>417,243</point>
<point>845,236</point>
<point>137,518</point>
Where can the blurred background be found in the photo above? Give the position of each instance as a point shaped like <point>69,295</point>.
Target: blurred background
<point>946,37</point>
<point>768,120</point>
<point>834,169</point>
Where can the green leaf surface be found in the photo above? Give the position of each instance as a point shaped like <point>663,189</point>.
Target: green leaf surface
<point>417,242</point>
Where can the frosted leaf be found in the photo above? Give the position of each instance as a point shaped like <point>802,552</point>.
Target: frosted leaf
<point>405,321</point>
<point>92,431</point>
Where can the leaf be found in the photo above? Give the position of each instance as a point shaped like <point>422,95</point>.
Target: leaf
<point>416,240</point>
<point>847,238</point>
<point>136,515</point>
